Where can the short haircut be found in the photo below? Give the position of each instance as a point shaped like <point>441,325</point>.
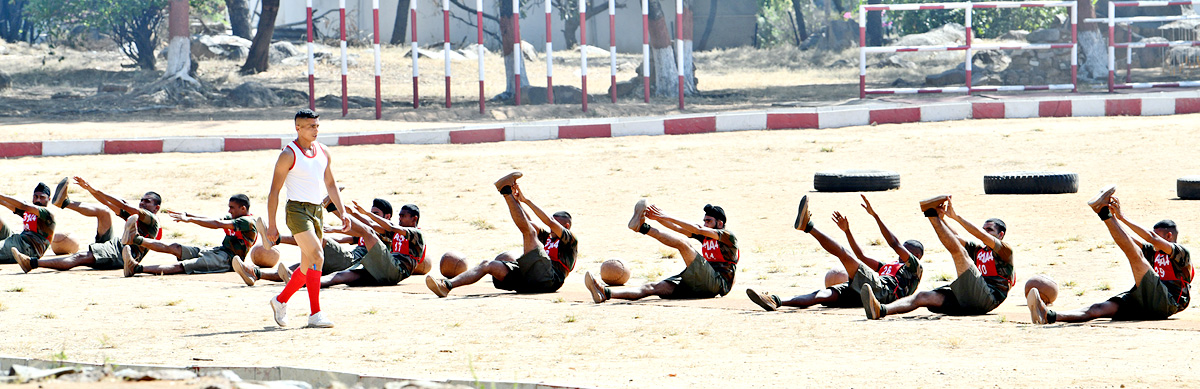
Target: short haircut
<point>1167,224</point>
<point>999,224</point>
<point>241,199</point>
<point>410,210</point>
<point>155,197</point>
<point>383,205</point>
<point>307,114</point>
<point>916,244</point>
<point>42,188</point>
<point>563,214</point>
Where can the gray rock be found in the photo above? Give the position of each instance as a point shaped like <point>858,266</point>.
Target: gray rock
<point>1015,35</point>
<point>471,52</point>
<point>299,60</point>
<point>285,49</point>
<point>949,34</point>
<point>1045,35</point>
<point>595,52</point>
<point>528,51</point>
<point>253,95</point>
<point>220,46</point>
<point>158,97</point>
<point>112,88</point>
<point>3,50</point>
<point>894,61</point>
<point>66,95</point>
<point>26,373</point>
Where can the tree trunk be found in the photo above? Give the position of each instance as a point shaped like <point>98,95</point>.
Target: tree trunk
<point>400,31</point>
<point>1092,46</point>
<point>800,26</point>
<point>239,17</point>
<point>663,74</point>
<point>571,24</point>
<point>179,42</point>
<point>257,60</point>
<point>13,26</point>
<point>145,40</point>
<point>874,26</point>
<point>708,25</point>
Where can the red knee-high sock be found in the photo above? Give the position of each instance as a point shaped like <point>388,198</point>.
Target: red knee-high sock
<point>314,291</point>
<point>292,286</point>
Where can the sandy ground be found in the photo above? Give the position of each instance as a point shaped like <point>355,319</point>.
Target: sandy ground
<point>563,338</point>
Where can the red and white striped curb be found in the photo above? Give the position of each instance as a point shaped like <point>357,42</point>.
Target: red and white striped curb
<point>1151,104</point>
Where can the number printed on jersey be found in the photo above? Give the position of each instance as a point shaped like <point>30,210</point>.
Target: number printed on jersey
<point>891,269</point>
<point>986,263</point>
<point>400,243</point>
<point>711,251</point>
<point>30,221</point>
<point>1162,267</point>
<point>551,246</point>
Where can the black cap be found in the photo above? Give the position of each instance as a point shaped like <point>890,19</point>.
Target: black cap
<point>715,211</point>
<point>42,188</point>
<point>563,214</point>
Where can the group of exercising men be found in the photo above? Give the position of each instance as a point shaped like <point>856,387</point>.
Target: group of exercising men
<point>384,252</point>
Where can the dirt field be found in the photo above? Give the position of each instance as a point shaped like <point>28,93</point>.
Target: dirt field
<point>563,338</point>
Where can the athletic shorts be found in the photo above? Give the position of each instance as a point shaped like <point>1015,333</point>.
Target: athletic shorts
<point>107,252</point>
<point>848,292</point>
<point>383,268</point>
<point>531,273</point>
<point>210,260</point>
<point>14,241</point>
<point>339,257</point>
<point>1149,300</point>
<point>698,280</point>
<point>966,296</point>
<point>301,217</point>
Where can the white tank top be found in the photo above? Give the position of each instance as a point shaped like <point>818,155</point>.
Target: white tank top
<point>306,180</point>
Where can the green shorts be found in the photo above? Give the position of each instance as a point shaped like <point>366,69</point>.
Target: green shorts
<point>966,296</point>
<point>106,251</point>
<point>210,260</point>
<point>531,273</point>
<point>384,268</point>
<point>14,241</point>
<point>848,292</point>
<point>302,217</point>
<point>698,280</point>
<point>1149,300</point>
<point>338,257</point>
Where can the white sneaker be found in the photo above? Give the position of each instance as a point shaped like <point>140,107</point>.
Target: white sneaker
<point>280,310</point>
<point>318,320</point>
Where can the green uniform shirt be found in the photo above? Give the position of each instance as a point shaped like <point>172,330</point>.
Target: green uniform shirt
<point>410,243</point>
<point>901,278</point>
<point>997,271</point>
<point>721,253</point>
<point>384,237</point>
<point>1174,271</point>
<point>239,239</point>
<point>38,228</point>
<point>147,226</point>
<point>560,249</point>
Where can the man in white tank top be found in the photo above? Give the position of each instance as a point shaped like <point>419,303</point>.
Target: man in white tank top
<point>304,168</point>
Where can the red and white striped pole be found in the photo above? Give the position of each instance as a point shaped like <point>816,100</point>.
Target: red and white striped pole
<point>646,49</point>
<point>1111,49</point>
<point>312,65</point>
<point>1074,49</point>
<point>479,47</point>
<point>416,73</point>
<point>679,47</point>
<point>1128,54</point>
<point>342,31</point>
<point>612,46</point>
<point>583,55</point>
<point>446,45</point>
<point>968,62</point>
<point>517,53</point>
<point>549,56</point>
<point>378,61</point>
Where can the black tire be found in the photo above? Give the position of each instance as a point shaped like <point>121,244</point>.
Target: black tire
<point>856,180</point>
<point>1031,183</point>
<point>1188,188</point>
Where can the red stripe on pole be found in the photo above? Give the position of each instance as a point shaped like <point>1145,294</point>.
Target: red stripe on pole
<point>646,41</point>
<point>20,149</point>
<point>585,131</point>
<point>583,55</point>
<point>697,125</point>
<point>679,37</point>
<point>518,51</point>
<point>312,88</point>
<point>446,32</point>
<point>342,32</point>
<point>477,136</point>
<point>612,42</point>
<point>1054,109</point>
<point>479,29</point>
<point>895,115</point>
<point>987,110</point>
<point>782,121</point>
<point>247,144</point>
<point>1124,107</point>
<point>416,96</point>
<point>133,146</point>
<point>549,77</point>
<point>378,81</point>
<point>370,139</point>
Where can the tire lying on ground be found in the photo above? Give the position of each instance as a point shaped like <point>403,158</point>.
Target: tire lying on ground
<point>856,180</point>
<point>1188,188</point>
<point>1031,183</point>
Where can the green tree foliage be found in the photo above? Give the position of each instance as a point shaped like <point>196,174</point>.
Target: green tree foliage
<point>134,23</point>
<point>987,23</point>
<point>774,27</point>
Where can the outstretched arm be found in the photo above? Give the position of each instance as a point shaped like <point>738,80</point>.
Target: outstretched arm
<point>383,225</point>
<point>116,204</point>
<point>678,225</point>
<point>844,224</point>
<point>555,227</point>
<point>1147,235</point>
<point>201,221</point>
<point>987,239</point>
<point>888,236</point>
<point>14,204</point>
<point>355,211</point>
